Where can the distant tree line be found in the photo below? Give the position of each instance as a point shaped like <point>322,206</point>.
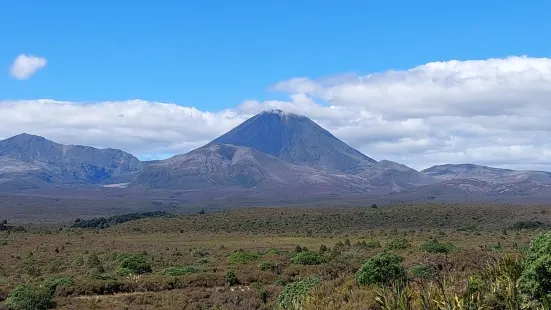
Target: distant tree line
<point>104,222</point>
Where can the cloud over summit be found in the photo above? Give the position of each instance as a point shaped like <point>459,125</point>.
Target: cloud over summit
<point>493,111</point>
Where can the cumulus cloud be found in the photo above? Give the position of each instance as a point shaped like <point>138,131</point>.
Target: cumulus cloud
<point>491,112</point>
<point>25,66</point>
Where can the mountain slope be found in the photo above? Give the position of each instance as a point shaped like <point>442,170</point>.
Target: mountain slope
<point>395,177</point>
<point>486,174</point>
<point>28,161</point>
<point>230,166</point>
<point>297,140</point>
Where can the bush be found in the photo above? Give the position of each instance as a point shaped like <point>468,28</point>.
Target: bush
<point>381,269</point>
<point>51,284</point>
<point>27,297</point>
<point>182,271</point>
<point>307,258</point>
<point>536,276</point>
<point>133,264</point>
<point>264,266</point>
<point>434,246</point>
<point>371,244</point>
<point>231,278</point>
<point>398,244</point>
<point>242,257</point>
<point>529,225</point>
<point>30,267</point>
<point>294,294</point>
<point>424,272</point>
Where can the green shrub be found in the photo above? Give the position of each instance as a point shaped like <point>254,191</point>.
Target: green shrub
<point>371,244</point>
<point>294,294</point>
<point>398,244</point>
<point>307,258</point>
<point>200,253</point>
<point>231,278</point>
<point>30,267</point>
<point>133,264</point>
<point>179,271</point>
<point>529,225</point>
<point>27,297</point>
<point>434,246</point>
<point>381,269</point>
<point>273,251</point>
<point>242,257</point>
<point>51,284</point>
<point>263,295</point>
<point>424,272</point>
<point>271,266</point>
<point>536,276</point>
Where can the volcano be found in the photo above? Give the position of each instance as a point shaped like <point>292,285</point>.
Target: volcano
<point>298,140</point>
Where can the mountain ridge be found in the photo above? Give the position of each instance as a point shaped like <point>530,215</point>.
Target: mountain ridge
<point>271,154</point>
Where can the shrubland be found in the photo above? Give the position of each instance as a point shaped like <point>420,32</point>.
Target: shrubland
<point>389,257</point>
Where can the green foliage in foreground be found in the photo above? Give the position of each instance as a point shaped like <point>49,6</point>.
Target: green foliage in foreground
<point>294,294</point>
<point>536,276</point>
<point>382,268</point>
<point>27,297</point>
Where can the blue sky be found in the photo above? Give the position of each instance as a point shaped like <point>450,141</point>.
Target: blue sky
<point>216,63</point>
<point>215,54</point>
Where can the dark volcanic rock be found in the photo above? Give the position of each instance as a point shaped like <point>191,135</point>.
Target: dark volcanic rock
<point>297,140</point>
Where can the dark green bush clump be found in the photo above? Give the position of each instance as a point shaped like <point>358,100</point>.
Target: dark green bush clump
<point>424,272</point>
<point>529,225</point>
<point>307,258</point>
<point>27,297</point>
<point>383,268</point>
<point>179,271</point>
<point>434,246</point>
<point>293,294</point>
<point>231,278</point>
<point>133,264</point>
<point>536,276</point>
<point>51,284</point>
<point>103,222</point>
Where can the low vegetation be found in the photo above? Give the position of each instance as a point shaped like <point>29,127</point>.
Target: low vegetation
<point>356,258</point>
<point>103,222</point>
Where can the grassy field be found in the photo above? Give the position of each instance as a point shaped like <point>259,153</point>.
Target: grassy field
<point>270,258</point>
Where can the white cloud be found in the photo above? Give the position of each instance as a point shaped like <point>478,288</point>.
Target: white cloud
<point>24,66</point>
<point>492,112</point>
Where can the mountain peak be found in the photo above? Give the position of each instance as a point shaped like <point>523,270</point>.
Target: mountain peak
<point>297,140</point>
<point>280,113</point>
<point>26,137</point>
